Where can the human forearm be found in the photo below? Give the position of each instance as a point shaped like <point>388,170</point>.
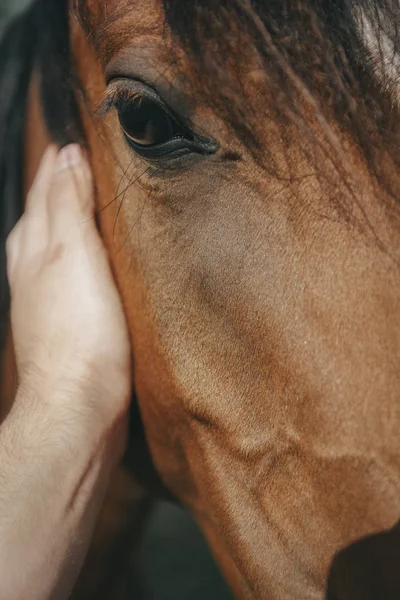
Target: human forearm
<point>51,487</point>
<point>66,428</point>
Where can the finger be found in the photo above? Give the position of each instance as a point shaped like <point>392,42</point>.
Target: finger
<point>70,200</point>
<point>36,198</point>
<point>35,234</point>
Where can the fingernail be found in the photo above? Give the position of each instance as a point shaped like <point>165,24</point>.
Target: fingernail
<point>69,156</point>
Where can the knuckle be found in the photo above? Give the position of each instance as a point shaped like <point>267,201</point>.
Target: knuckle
<point>67,192</point>
<point>73,174</point>
<point>75,180</point>
<point>61,185</point>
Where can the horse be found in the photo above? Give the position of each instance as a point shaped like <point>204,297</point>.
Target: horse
<point>246,158</point>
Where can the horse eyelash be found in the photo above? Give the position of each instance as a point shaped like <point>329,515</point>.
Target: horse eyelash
<point>117,98</point>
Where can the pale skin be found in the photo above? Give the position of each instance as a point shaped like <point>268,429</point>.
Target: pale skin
<point>66,430</point>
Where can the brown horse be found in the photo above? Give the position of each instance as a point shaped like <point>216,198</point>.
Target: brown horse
<point>246,160</point>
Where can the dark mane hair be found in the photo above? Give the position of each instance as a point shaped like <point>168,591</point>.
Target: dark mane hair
<point>313,71</point>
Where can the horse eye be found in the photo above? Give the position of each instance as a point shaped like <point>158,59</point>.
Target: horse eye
<point>146,123</point>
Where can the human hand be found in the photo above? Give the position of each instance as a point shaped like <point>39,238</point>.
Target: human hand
<point>67,427</point>
<point>68,325</point>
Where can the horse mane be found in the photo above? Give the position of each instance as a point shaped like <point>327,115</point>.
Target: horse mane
<point>332,56</point>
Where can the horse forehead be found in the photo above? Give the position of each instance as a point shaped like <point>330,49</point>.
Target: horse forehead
<point>117,24</point>
<point>140,15</point>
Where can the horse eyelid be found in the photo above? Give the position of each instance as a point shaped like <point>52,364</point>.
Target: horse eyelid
<point>115,95</point>
<point>110,101</point>
<point>114,99</point>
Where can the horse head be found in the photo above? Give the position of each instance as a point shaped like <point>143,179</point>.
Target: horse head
<point>246,166</point>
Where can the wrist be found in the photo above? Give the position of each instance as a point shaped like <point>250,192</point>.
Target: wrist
<point>96,394</point>
<point>67,415</point>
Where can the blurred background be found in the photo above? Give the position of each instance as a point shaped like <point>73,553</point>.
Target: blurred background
<point>8,7</point>
<point>172,560</point>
